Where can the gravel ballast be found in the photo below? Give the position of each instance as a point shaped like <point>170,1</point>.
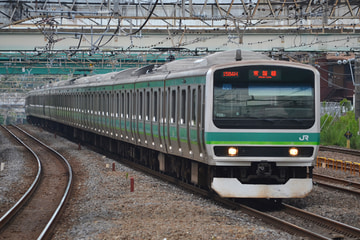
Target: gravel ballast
<point>102,206</point>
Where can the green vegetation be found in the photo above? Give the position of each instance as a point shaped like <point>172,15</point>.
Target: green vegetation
<point>333,129</point>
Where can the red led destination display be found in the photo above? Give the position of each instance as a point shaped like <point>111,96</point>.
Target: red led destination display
<point>264,74</point>
<point>230,74</point>
<point>261,73</point>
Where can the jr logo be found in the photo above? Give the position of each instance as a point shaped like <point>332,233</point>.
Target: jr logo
<point>304,138</point>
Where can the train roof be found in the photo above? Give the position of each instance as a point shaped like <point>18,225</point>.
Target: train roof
<point>211,60</point>
<point>190,65</point>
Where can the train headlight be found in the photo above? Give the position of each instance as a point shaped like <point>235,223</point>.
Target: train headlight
<point>293,152</point>
<point>232,151</point>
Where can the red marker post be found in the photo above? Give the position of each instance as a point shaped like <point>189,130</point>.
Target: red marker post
<point>131,184</point>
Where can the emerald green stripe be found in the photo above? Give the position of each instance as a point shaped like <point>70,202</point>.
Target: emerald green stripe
<point>149,84</point>
<point>181,81</point>
<point>124,86</point>
<point>263,138</point>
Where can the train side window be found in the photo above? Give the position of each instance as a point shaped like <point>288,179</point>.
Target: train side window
<point>79,106</point>
<point>193,107</point>
<point>85,102</point>
<point>113,105</point>
<point>173,106</point>
<point>77,100</point>
<point>107,104</point>
<point>127,110</point>
<point>122,105</point>
<point>140,104</point>
<point>94,102</point>
<point>147,108</point>
<point>103,104</point>
<point>80,101</point>
<point>98,103</point>
<point>183,107</point>
<point>165,101</point>
<point>161,106</point>
<point>91,103</point>
<point>117,105</point>
<point>155,107</point>
<point>133,103</point>
<point>201,109</point>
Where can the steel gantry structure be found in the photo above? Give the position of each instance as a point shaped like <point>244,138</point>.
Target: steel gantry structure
<point>57,38</point>
<point>93,36</point>
<point>132,15</point>
<point>100,22</point>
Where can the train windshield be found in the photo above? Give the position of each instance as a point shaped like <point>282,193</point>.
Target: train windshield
<point>264,97</point>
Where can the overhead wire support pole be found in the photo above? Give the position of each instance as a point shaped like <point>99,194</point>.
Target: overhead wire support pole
<point>357,87</point>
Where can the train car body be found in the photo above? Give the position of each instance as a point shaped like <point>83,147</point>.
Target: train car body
<point>244,125</point>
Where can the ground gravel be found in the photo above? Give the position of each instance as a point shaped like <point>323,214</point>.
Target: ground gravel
<point>15,167</point>
<point>103,207</point>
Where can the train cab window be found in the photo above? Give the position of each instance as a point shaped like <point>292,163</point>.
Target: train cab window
<point>270,97</point>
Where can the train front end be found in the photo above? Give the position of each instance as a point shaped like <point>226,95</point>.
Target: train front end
<point>262,130</point>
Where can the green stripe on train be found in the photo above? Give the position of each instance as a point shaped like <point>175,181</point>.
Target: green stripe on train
<point>262,138</point>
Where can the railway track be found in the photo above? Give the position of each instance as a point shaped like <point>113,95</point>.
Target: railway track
<point>338,184</point>
<point>321,227</point>
<point>317,226</point>
<point>340,150</point>
<point>35,213</point>
<point>317,229</point>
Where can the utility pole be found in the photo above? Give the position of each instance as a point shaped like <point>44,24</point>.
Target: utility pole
<point>357,87</point>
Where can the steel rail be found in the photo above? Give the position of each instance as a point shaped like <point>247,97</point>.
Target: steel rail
<point>351,187</point>
<point>339,227</point>
<point>48,226</point>
<point>17,206</point>
<point>340,150</point>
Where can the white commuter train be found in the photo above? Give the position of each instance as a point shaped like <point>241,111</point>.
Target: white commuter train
<point>236,122</point>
